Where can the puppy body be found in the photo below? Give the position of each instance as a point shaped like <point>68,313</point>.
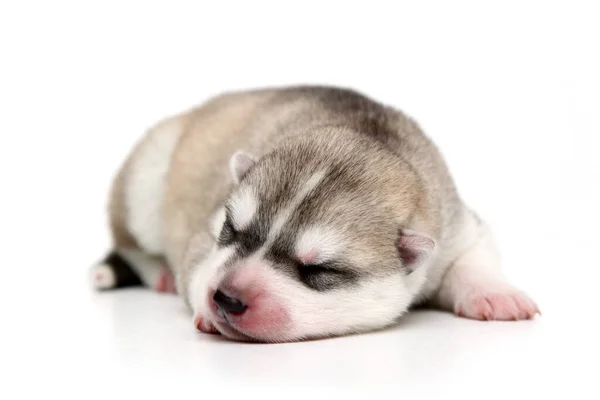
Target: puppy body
<point>338,215</point>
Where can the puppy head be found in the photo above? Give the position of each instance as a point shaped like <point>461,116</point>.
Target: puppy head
<point>316,239</point>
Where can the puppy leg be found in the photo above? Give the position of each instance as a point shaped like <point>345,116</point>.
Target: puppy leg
<point>474,287</point>
<point>113,272</point>
<point>127,267</point>
<point>153,271</point>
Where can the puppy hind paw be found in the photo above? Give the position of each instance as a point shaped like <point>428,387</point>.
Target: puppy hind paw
<point>103,277</point>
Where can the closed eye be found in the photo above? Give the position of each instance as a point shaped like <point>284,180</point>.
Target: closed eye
<point>324,276</point>
<point>318,268</point>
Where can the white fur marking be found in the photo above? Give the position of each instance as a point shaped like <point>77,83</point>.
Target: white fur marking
<point>284,216</point>
<point>318,243</point>
<point>144,185</point>
<point>243,207</point>
<point>217,222</point>
<point>103,277</point>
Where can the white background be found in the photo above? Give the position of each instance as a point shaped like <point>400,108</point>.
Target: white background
<point>510,93</point>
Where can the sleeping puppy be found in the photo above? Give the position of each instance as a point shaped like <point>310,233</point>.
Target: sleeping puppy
<point>301,212</point>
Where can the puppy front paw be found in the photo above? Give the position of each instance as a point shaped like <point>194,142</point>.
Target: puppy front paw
<point>503,303</point>
<point>205,326</point>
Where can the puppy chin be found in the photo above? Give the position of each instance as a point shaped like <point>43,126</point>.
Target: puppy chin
<point>231,333</point>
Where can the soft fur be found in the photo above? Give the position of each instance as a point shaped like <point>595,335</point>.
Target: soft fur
<point>324,212</point>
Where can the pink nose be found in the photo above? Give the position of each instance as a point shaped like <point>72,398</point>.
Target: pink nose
<point>229,305</point>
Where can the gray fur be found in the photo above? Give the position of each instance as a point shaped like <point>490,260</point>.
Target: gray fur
<point>382,175</point>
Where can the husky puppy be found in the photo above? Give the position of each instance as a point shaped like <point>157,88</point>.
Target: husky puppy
<point>301,212</point>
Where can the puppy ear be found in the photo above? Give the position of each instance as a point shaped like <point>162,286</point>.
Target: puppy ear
<point>240,163</point>
<point>414,248</point>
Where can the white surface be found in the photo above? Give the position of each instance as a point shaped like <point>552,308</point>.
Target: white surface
<point>509,93</point>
